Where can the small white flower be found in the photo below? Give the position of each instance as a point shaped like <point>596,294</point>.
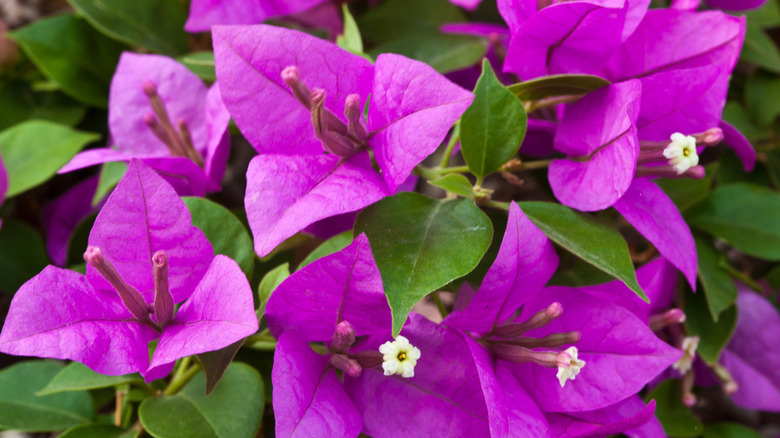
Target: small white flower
<point>570,372</point>
<point>689,346</point>
<point>681,152</point>
<point>400,357</point>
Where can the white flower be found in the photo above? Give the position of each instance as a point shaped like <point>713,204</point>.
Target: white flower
<point>400,357</point>
<point>570,372</point>
<point>689,346</point>
<point>681,152</point>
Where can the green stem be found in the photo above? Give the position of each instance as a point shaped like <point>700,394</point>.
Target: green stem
<point>263,336</point>
<point>723,264</point>
<point>494,204</point>
<point>531,165</point>
<point>456,169</point>
<point>181,379</point>
<point>439,304</point>
<point>445,159</point>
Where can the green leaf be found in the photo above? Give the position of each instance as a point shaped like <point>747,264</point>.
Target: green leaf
<point>729,430</point>
<point>760,49</point>
<point>393,19</point>
<point>157,25</point>
<point>713,336</point>
<point>34,151</point>
<point>762,98</point>
<point>736,114</point>
<point>493,127</point>
<point>269,283</point>
<point>21,409</point>
<point>443,52</point>
<point>200,63</point>
<point>421,244</point>
<point>557,85</point>
<point>328,247</point>
<point>455,183</point>
<point>676,418</point>
<point>719,289</point>
<point>233,410</point>
<point>78,377</point>
<point>22,254</point>
<point>215,363</point>
<point>110,174</point>
<point>99,431</point>
<point>594,242</point>
<point>226,233</point>
<point>350,40</point>
<point>18,102</point>
<point>687,192</point>
<point>745,216</point>
<point>72,54</point>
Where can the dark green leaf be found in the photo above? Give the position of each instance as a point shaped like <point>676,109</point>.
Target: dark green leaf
<point>72,54</point>
<point>328,247</point>
<point>393,19</point>
<point>762,98</point>
<point>233,410</point>
<point>215,363</point>
<point>773,277</point>
<point>735,114</point>
<point>350,39</point>
<point>730,171</point>
<point>157,25</point>
<point>99,431</point>
<point>760,49</point>
<point>21,409</point>
<point>557,85</point>
<point>22,254</point>
<point>110,174</point>
<point>444,52</point>
<point>34,151</point>
<point>676,418</point>
<point>596,243</point>
<point>78,377</point>
<point>226,233</point>
<point>687,192</point>
<point>269,283</point>
<point>493,127</point>
<point>729,430</point>
<point>200,63</point>
<point>767,16</point>
<point>19,103</point>
<point>745,216</point>
<point>719,289</point>
<point>421,244</point>
<point>713,336</point>
<point>455,183</point>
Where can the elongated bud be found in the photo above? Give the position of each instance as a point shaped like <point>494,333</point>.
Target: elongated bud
<point>131,298</point>
<point>671,316</point>
<point>518,354</point>
<point>179,142</point>
<point>688,398</point>
<point>710,137</point>
<point>328,128</point>
<point>549,341</point>
<point>354,114</point>
<point>729,385</point>
<point>189,147</point>
<point>292,77</point>
<point>163,300</point>
<point>344,337</point>
<point>350,366</point>
<point>540,319</point>
<point>368,358</point>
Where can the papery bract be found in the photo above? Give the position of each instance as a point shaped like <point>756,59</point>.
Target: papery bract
<point>65,315</point>
<point>61,216</point>
<point>599,134</point>
<point>266,74</point>
<point>206,13</point>
<point>752,356</point>
<point>133,124</point>
<point>623,417</point>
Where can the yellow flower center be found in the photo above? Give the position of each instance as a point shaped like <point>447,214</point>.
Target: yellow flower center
<point>402,356</point>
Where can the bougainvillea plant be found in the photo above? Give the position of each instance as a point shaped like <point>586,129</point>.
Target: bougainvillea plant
<point>382,218</point>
